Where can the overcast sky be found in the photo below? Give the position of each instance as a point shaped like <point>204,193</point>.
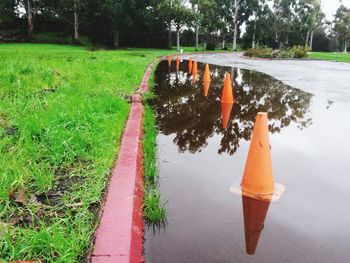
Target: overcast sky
<point>329,7</point>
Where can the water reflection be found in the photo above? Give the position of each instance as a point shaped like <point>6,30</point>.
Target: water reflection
<point>183,110</point>
<point>254,212</point>
<point>226,109</point>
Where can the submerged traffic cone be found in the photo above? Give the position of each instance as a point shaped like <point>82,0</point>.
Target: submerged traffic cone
<point>227,95</point>
<point>254,212</point>
<point>257,177</point>
<point>177,63</point>
<point>206,77</point>
<point>190,64</point>
<point>226,109</point>
<point>194,71</point>
<point>169,60</point>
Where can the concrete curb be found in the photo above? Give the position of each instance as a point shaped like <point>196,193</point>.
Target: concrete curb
<point>119,237</point>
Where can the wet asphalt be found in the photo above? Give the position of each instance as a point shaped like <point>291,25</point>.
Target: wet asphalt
<point>328,79</point>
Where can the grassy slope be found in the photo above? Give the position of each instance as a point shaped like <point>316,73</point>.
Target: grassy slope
<point>340,57</point>
<point>62,112</point>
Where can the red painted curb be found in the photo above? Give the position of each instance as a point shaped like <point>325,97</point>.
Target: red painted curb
<point>144,83</point>
<point>119,237</point>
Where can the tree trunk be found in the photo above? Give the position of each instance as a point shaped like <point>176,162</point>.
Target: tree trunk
<point>170,22</point>
<point>116,38</point>
<point>197,29</point>
<point>234,44</point>
<point>254,32</point>
<point>276,36</point>
<point>30,18</point>
<point>307,38</point>
<point>345,46</point>
<point>76,23</point>
<point>223,43</point>
<point>311,40</point>
<point>169,37</point>
<point>178,39</point>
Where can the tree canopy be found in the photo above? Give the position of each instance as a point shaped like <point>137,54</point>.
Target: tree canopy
<point>162,23</point>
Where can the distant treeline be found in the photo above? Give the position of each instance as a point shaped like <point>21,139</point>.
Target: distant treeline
<point>162,23</point>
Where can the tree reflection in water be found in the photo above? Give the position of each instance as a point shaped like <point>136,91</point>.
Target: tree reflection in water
<point>182,109</point>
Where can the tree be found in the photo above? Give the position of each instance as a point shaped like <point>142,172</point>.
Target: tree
<point>31,7</point>
<point>284,10</point>
<point>68,11</point>
<point>164,9</point>
<point>235,33</point>
<point>308,18</point>
<point>341,27</point>
<point>7,12</point>
<point>259,9</point>
<point>182,16</point>
<point>116,13</point>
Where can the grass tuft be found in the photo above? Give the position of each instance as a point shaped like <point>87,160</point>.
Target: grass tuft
<point>153,210</point>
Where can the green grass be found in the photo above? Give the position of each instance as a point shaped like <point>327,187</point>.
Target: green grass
<point>62,113</point>
<point>153,210</point>
<point>340,57</point>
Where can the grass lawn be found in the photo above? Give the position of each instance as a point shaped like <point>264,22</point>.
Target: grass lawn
<point>340,57</point>
<point>62,112</point>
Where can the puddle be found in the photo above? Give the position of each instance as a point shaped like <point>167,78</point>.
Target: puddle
<point>200,161</point>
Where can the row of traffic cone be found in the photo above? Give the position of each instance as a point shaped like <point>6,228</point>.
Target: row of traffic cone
<point>192,67</point>
<point>257,178</point>
<point>257,185</point>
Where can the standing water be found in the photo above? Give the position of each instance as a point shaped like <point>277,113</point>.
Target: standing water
<point>200,162</point>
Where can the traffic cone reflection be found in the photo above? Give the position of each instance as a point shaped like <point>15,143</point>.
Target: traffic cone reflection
<point>206,86</point>
<point>257,178</point>
<point>254,212</point>
<point>194,71</point>
<point>206,80</point>
<point>190,64</point>
<point>226,109</point>
<point>177,63</point>
<point>227,95</point>
<point>169,60</point>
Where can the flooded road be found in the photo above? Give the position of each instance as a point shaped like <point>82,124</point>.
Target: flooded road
<point>199,162</point>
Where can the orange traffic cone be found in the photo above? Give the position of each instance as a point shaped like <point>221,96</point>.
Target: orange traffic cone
<point>227,95</point>
<point>257,177</point>
<point>194,71</point>
<point>226,109</point>
<point>206,86</point>
<point>254,212</point>
<point>206,77</point>
<point>169,60</point>
<point>177,63</point>
<point>190,64</point>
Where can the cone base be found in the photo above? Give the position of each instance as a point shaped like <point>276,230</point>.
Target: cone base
<point>273,197</point>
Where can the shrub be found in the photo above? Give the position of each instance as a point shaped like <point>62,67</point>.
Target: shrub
<point>259,53</point>
<point>211,46</point>
<point>286,53</point>
<point>300,51</point>
<point>294,52</point>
